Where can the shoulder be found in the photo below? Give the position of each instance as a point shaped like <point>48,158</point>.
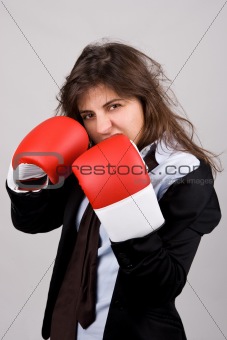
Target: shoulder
<point>184,186</point>
<point>191,200</point>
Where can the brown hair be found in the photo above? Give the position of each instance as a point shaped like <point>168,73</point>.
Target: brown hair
<point>131,73</point>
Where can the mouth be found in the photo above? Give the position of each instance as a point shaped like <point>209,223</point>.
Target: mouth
<point>115,134</point>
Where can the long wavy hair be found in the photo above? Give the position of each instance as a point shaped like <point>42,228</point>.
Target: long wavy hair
<point>131,73</point>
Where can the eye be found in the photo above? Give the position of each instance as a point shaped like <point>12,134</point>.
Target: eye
<point>114,106</point>
<point>87,116</point>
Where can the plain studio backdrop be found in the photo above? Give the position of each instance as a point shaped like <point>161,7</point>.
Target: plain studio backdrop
<point>40,41</point>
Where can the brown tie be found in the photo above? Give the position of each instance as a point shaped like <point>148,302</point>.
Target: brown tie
<point>76,300</point>
<point>150,159</point>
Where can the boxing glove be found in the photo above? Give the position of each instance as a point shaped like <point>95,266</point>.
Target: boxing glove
<point>114,178</point>
<point>50,149</point>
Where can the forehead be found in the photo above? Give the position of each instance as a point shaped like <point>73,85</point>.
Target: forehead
<point>96,96</point>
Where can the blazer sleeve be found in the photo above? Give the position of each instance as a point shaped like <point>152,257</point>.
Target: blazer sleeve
<point>42,211</point>
<point>155,267</point>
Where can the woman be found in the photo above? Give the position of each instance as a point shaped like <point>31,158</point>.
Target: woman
<point>114,90</point>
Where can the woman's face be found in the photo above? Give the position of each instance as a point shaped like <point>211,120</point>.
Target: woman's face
<point>105,114</point>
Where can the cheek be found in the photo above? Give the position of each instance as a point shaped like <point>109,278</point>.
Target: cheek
<point>138,121</point>
<point>131,122</point>
<point>90,128</point>
<point>138,125</point>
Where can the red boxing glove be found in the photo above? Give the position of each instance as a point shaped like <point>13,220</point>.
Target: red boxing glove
<point>115,180</point>
<point>53,145</point>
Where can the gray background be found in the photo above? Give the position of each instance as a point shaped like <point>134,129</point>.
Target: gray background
<point>40,41</point>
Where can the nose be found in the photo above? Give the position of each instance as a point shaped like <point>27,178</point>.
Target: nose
<point>104,124</point>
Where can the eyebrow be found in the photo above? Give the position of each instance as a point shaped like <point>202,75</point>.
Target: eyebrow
<point>105,105</point>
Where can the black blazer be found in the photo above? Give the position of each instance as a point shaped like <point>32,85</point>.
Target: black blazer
<point>153,269</point>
